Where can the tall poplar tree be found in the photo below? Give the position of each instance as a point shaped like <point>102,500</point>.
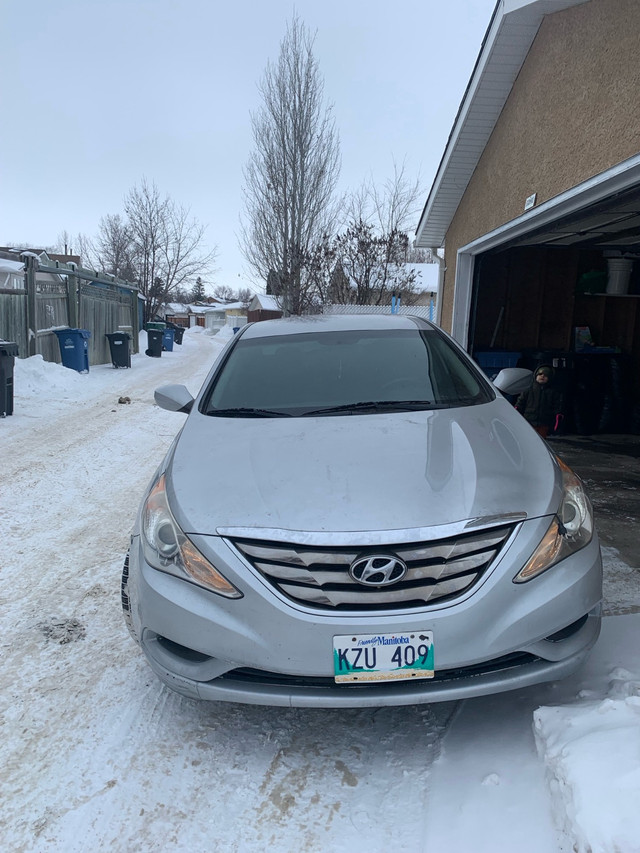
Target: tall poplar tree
<point>291,174</point>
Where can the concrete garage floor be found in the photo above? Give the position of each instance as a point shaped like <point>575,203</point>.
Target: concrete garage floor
<point>609,465</point>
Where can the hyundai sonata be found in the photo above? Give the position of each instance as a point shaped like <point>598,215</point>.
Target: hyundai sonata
<point>353,515</point>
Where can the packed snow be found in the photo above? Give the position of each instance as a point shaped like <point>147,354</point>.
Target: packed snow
<point>98,755</point>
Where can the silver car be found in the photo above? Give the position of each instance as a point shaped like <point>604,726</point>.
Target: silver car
<point>352,515</point>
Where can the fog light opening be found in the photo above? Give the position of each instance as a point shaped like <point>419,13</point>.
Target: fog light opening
<point>181,651</point>
<point>569,631</point>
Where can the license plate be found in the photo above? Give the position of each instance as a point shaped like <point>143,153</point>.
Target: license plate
<point>383,657</point>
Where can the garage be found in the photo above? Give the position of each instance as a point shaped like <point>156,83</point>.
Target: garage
<point>536,205</point>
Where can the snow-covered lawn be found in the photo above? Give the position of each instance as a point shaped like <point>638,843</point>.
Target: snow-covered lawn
<point>97,755</point>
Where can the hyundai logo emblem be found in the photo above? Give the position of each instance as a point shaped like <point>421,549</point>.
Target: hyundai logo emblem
<point>377,570</point>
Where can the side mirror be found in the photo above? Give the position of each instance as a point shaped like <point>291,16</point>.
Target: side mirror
<point>513,380</point>
<point>174,398</point>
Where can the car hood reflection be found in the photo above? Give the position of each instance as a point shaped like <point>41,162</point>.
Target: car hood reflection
<point>359,473</point>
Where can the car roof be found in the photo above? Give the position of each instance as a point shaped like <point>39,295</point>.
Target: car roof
<point>333,323</point>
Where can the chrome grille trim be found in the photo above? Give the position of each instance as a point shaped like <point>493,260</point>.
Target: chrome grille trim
<point>319,576</point>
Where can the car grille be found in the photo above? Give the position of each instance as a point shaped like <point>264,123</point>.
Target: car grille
<point>319,576</point>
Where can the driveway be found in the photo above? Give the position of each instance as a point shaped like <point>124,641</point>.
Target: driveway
<point>610,468</point>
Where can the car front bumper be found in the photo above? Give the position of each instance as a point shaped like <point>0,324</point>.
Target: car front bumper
<point>263,649</point>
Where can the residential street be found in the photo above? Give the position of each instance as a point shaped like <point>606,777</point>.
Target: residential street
<point>98,755</point>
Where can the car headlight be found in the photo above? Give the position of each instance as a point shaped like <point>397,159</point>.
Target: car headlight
<point>167,549</point>
<point>570,530</point>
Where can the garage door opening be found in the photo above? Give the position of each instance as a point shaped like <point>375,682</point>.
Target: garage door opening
<point>568,295</point>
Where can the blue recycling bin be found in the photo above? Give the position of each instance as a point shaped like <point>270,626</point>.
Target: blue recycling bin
<point>167,340</point>
<point>74,348</point>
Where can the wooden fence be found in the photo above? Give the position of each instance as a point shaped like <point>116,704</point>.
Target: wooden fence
<point>57,296</point>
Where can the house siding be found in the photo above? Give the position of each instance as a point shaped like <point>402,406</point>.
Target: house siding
<point>573,112</point>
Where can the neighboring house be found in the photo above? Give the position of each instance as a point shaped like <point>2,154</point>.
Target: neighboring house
<point>263,307</point>
<point>178,314</point>
<point>11,274</point>
<point>189,315</point>
<point>537,197</point>
<point>232,314</point>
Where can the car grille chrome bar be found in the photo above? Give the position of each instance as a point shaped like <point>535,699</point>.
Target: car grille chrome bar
<point>319,577</point>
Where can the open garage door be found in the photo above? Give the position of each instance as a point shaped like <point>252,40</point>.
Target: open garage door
<point>568,294</point>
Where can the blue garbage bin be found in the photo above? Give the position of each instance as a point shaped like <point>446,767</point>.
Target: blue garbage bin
<point>167,340</point>
<point>74,348</point>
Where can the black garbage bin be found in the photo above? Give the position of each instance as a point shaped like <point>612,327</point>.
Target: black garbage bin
<point>120,348</point>
<point>8,353</point>
<point>154,337</point>
<point>178,332</point>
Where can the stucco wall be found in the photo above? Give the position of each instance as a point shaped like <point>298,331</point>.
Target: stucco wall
<point>573,112</point>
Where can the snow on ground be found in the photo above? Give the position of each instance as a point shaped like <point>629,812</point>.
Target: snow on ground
<point>98,755</point>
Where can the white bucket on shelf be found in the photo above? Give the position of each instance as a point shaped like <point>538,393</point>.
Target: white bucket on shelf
<point>619,275</point>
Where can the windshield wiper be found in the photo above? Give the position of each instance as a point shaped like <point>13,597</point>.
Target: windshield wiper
<point>247,413</point>
<point>373,406</point>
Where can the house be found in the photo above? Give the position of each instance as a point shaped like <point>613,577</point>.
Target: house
<point>232,314</point>
<point>263,307</point>
<point>536,200</point>
<point>187,316</point>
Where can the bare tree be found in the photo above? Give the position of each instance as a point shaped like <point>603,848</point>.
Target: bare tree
<point>244,295</point>
<point>292,172</point>
<point>370,267</point>
<point>114,248</point>
<point>391,206</point>
<point>167,245</point>
<point>367,261</point>
<point>85,247</point>
<point>146,216</point>
<point>223,291</point>
<point>397,202</point>
<point>64,243</point>
<point>420,256</point>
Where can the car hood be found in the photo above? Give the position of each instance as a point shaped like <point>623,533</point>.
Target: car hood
<point>359,472</point>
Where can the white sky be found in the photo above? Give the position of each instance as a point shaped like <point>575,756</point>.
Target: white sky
<point>96,95</point>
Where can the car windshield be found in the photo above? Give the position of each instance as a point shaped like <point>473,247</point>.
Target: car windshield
<point>346,372</point>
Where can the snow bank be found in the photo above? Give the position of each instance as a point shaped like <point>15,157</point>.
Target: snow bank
<point>45,380</point>
<point>591,750</point>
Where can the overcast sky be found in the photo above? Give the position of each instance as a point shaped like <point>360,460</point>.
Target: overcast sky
<point>98,94</point>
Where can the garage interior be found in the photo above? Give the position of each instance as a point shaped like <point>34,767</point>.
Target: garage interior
<point>569,295</point>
